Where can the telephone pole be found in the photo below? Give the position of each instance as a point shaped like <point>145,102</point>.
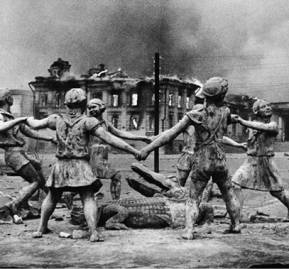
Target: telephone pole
<point>157,102</point>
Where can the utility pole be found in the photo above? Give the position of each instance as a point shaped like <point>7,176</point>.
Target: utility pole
<point>157,110</point>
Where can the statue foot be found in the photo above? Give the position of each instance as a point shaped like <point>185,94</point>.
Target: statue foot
<point>47,231</point>
<point>188,234</point>
<point>205,229</point>
<point>96,237</point>
<point>37,234</point>
<point>233,230</point>
<point>17,219</point>
<point>116,226</point>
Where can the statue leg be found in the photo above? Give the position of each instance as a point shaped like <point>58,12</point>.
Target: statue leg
<point>208,191</point>
<point>119,215</point>
<point>239,194</point>
<point>30,174</point>
<point>206,214</point>
<point>115,186</point>
<point>232,203</point>
<point>197,186</point>
<point>182,176</point>
<point>283,197</point>
<point>90,213</point>
<point>184,167</point>
<point>47,209</point>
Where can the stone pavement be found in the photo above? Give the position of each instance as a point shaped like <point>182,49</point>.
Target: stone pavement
<point>259,244</point>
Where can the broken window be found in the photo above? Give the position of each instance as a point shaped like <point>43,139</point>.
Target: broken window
<point>171,120</point>
<point>97,95</point>
<point>151,122</point>
<point>115,100</point>
<point>43,99</point>
<point>58,99</point>
<point>114,121</point>
<point>187,102</point>
<point>134,99</point>
<point>133,122</point>
<point>170,99</point>
<point>153,99</point>
<point>179,101</point>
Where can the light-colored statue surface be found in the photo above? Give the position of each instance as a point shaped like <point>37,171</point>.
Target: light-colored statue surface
<point>209,160</point>
<point>72,170</point>
<point>259,171</point>
<point>15,156</point>
<point>100,149</point>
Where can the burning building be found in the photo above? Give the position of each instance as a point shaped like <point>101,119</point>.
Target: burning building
<point>130,101</point>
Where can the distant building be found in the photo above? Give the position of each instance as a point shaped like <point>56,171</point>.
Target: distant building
<point>23,102</point>
<point>242,105</point>
<point>281,116</point>
<point>130,101</point>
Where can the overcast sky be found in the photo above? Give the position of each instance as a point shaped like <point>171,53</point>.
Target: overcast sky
<point>244,40</point>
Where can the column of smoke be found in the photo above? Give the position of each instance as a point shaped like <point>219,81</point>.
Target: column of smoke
<point>245,41</point>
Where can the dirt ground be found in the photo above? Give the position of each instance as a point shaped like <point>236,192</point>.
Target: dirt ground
<point>260,244</point>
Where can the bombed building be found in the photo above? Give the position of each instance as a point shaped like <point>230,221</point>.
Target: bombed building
<point>130,101</point>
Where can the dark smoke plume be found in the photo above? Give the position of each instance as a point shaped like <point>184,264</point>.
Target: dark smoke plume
<point>243,40</point>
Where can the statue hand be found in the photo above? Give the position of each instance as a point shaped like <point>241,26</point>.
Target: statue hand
<point>143,155</point>
<point>53,140</point>
<point>137,155</point>
<point>149,139</point>
<point>28,120</point>
<point>235,118</point>
<point>243,146</point>
<point>24,119</point>
<point>20,143</point>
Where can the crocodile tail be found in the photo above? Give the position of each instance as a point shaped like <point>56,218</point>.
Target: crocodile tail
<point>142,188</point>
<point>150,176</point>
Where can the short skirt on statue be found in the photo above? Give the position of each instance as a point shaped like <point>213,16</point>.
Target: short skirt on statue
<point>258,173</point>
<point>71,173</point>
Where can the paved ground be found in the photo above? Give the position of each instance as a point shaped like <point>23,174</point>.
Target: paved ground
<point>259,243</point>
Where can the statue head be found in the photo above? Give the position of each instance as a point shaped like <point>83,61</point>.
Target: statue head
<point>75,98</point>
<point>5,98</point>
<point>215,88</point>
<point>96,107</point>
<point>262,108</point>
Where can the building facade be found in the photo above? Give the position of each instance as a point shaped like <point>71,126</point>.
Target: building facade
<point>130,101</point>
<point>21,102</point>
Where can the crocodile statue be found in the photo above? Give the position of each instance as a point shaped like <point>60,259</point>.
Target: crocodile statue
<point>165,209</point>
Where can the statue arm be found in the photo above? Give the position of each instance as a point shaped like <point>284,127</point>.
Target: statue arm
<point>27,131</point>
<point>166,136</point>
<point>114,141</point>
<point>260,126</point>
<point>49,122</point>
<point>229,141</point>
<point>127,135</point>
<point>190,130</point>
<point>6,125</point>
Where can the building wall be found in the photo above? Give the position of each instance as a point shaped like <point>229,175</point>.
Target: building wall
<point>130,107</point>
<point>23,103</point>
